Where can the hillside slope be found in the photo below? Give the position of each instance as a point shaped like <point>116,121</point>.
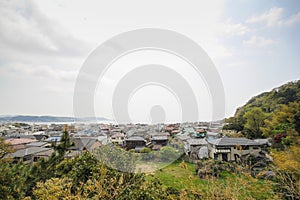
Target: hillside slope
<point>269,113</point>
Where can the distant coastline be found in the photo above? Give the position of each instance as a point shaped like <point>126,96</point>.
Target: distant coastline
<point>49,119</point>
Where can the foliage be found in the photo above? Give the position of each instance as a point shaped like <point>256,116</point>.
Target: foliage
<point>4,148</point>
<point>63,146</point>
<point>180,178</point>
<point>241,186</point>
<point>53,188</point>
<point>282,120</point>
<point>168,154</point>
<point>254,122</point>
<point>116,158</point>
<point>13,180</point>
<point>147,154</point>
<point>287,169</point>
<point>85,177</point>
<point>78,169</point>
<point>269,113</point>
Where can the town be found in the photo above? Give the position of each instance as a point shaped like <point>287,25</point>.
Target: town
<point>201,140</point>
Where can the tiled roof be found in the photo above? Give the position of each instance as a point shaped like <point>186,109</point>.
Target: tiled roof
<point>159,137</point>
<point>83,142</point>
<point>16,141</point>
<point>28,151</point>
<point>117,135</point>
<point>262,141</point>
<point>232,142</point>
<point>135,138</point>
<point>183,137</point>
<point>35,144</point>
<point>194,142</point>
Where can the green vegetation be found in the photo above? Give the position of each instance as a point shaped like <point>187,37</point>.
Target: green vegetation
<point>178,175</point>
<point>85,177</point>
<point>270,114</point>
<point>4,148</point>
<point>181,177</point>
<point>287,168</point>
<point>275,115</point>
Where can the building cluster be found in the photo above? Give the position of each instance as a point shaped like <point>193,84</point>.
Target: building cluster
<point>199,140</point>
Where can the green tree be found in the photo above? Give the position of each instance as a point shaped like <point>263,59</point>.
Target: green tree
<point>13,180</point>
<point>63,146</point>
<point>297,122</point>
<point>254,122</point>
<point>283,120</point>
<point>146,154</point>
<point>168,154</point>
<point>53,188</point>
<point>115,157</point>
<point>4,148</point>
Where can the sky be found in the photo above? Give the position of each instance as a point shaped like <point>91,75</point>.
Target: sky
<point>254,45</point>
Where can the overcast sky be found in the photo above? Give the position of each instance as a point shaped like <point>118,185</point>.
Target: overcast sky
<point>254,45</point>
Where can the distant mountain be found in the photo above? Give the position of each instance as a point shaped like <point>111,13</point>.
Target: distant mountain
<point>28,118</point>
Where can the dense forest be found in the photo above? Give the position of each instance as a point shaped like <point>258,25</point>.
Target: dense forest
<point>274,114</point>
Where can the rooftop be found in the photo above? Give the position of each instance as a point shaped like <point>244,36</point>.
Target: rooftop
<point>35,144</point>
<point>232,142</point>
<point>135,138</point>
<point>196,142</point>
<point>28,151</point>
<point>159,137</point>
<point>17,141</point>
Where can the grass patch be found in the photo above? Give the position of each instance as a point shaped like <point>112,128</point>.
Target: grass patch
<point>228,185</point>
<point>178,177</point>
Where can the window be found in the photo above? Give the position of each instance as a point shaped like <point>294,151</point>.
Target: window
<point>245,147</point>
<point>35,159</point>
<point>26,158</point>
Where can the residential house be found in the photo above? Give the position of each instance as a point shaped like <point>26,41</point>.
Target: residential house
<point>135,141</point>
<point>232,149</point>
<point>159,140</point>
<point>18,143</point>
<point>84,143</point>
<point>265,143</point>
<point>31,154</point>
<point>118,138</point>
<point>103,138</point>
<point>195,148</point>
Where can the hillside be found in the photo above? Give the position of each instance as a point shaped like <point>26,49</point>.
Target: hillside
<point>270,101</point>
<point>269,113</point>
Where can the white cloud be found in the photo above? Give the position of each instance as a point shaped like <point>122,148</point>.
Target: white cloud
<point>293,19</point>
<point>271,17</point>
<point>27,29</point>
<point>39,71</point>
<point>233,29</point>
<point>258,41</point>
<point>274,17</point>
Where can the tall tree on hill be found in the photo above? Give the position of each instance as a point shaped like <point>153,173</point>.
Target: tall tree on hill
<point>254,122</point>
<point>64,145</point>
